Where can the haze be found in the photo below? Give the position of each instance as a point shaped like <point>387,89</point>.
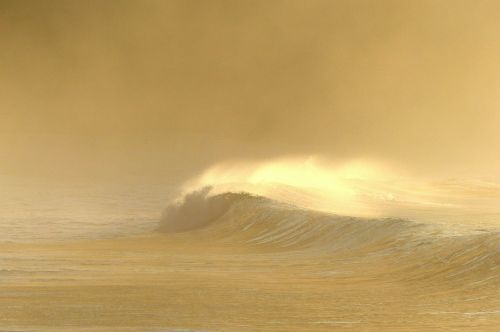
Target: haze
<point>164,89</point>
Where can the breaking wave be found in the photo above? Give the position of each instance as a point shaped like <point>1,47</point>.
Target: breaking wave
<point>410,250</point>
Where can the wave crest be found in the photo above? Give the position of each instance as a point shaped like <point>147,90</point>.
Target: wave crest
<point>197,209</point>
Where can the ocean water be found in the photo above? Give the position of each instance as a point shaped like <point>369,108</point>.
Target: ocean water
<point>34,210</point>
<point>129,257</point>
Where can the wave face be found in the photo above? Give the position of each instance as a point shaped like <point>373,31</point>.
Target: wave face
<point>197,209</point>
<point>408,250</point>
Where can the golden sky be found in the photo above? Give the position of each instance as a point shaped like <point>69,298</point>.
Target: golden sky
<point>124,88</point>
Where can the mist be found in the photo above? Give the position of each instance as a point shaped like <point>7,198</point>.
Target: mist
<point>163,89</point>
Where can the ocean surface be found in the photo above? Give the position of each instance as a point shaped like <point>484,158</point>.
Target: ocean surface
<point>94,257</point>
<point>33,210</point>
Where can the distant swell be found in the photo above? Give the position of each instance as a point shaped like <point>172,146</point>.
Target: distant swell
<point>410,250</point>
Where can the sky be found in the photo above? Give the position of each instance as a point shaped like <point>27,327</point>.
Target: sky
<point>163,89</point>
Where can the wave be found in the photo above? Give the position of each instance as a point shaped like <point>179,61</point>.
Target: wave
<point>410,250</point>
<point>359,188</point>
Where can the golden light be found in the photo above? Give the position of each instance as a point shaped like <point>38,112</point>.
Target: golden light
<point>308,182</point>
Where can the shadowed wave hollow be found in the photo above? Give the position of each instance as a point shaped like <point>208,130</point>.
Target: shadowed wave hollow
<point>197,209</point>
